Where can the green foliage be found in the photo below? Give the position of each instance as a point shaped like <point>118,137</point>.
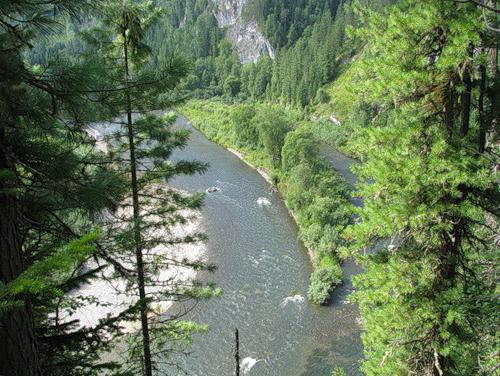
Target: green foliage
<point>61,184</point>
<point>142,230</point>
<point>300,147</point>
<point>232,86</point>
<point>245,131</point>
<point>338,372</point>
<point>51,271</point>
<point>256,78</point>
<point>299,71</point>
<point>325,210</point>
<point>428,184</point>
<point>298,189</point>
<point>317,195</point>
<point>323,281</point>
<point>272,132</point>
<point>316,51</point>
<point>283,23</point>
<point>309,38</point>
<point>323,96</point>
<point>54,183</point>
<point>418,105</point>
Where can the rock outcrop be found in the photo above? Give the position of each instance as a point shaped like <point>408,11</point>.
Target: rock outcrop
<point>249,42</point>
<point>228,12</point>
<point>245,36</point>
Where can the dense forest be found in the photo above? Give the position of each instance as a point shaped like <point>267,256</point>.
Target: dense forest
<point>409,89</point>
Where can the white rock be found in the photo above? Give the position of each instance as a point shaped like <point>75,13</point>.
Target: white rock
<point>248,41</point>
<point>248,363</point>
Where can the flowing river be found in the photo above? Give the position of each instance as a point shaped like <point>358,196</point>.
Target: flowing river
<point>263,270</point>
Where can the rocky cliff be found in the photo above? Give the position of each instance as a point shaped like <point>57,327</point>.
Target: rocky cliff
<point>245,36</point>
<point>228,12</point>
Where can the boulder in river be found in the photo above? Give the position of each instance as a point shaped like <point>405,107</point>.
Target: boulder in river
<point>213,189</point>
<point>292,299</point>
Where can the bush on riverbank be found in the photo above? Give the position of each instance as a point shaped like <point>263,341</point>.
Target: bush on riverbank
<point>323,281</point>
<point>282,143</point>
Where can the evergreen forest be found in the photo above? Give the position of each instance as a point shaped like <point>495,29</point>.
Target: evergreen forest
<point>138,238</point>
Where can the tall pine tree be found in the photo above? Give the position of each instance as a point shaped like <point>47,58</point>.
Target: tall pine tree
<point>141,234</point>
<point>430,184</point>
<point>51,185</point>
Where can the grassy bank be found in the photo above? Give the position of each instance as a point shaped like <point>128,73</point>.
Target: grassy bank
<point>280,142</point>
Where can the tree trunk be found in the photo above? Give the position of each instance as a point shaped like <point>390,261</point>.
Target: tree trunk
<point>137,230</point>
<point>19,356</point>
<point>466,96</point>
<point>483,126</point>
<point>492,94</point>
<point>237,352</point>
<point>449,106</point>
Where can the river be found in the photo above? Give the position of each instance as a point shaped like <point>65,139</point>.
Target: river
<point>253,241</point>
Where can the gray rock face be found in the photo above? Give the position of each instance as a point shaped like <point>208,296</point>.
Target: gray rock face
<point>249,42</point>
<point>228,11</point>
<point>245,36</point>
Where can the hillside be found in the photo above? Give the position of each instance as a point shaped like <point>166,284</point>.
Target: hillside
<point>134,241</point>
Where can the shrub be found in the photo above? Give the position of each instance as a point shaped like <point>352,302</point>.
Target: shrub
<point>328,211</point>
<point>331,239</point>
<point>323,281</point>
<point>298,188</point>
<point>323,96</point>
<point>275,179</point>
<point>246,134</point>
<point>338,372</point>
<point>273,128</point>
<point>232,86</point>
<point>327,261</point>
<point>311,235</point>
<point>300,147</point>
<point>329,183</point>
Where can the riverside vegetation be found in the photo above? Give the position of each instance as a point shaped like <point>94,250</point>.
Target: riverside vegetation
<point>409,88</point>
<point>280,142</point>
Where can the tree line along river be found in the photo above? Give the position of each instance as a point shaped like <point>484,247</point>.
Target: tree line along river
<point>263,270</point>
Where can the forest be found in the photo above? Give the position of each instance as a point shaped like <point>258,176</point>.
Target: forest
<point>103,105</point>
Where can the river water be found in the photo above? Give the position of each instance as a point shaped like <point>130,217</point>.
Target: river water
<point>261,263</point>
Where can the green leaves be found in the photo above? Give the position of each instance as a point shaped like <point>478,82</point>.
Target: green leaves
<point>272,132</point>
<point>323,280</point>
<point>424,188</point>
<point>300,147</point>
<point>48,273</point>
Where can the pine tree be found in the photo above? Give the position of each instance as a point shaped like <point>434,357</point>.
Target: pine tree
<point>431,190</point>
<point>52,183</point>
<point>148,216</point>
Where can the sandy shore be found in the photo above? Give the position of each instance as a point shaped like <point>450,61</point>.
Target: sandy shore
<point>109,295</point>
<point>261,171</point>
<point>114,295</point>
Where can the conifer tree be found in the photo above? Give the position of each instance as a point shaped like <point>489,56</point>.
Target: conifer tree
<point>430,184</point>
<point>51,185</point>
<point>141,234</point>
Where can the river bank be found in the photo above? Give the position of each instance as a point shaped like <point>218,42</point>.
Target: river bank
<point>263,270</point>
<point>313,193</point>
<point>261,171</point>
